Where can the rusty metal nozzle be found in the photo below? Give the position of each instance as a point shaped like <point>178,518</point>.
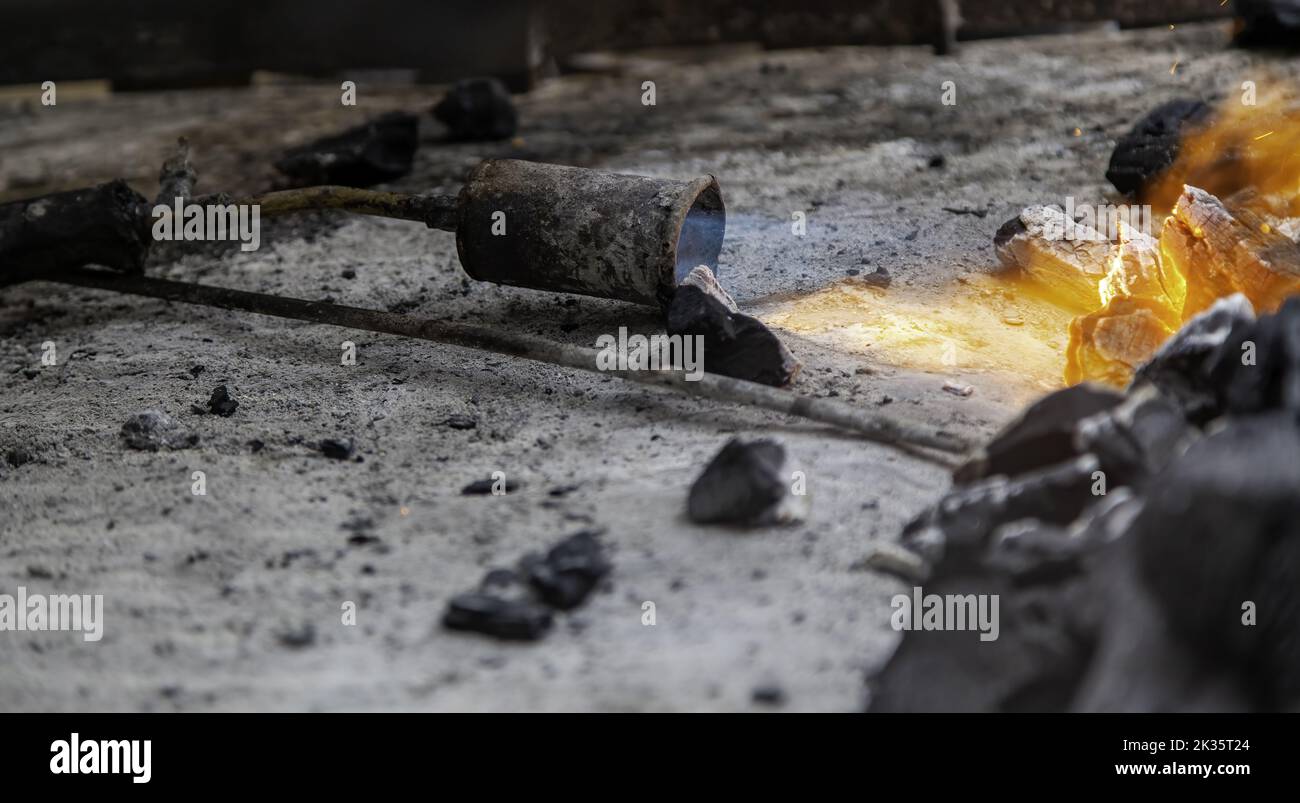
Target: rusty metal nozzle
<point>569,229</point>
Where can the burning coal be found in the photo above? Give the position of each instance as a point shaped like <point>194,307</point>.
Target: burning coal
<point>1229,201</point>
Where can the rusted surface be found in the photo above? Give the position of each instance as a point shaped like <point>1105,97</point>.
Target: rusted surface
<point>551,227</point>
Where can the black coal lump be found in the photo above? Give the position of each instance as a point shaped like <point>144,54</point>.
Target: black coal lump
<point>745,483</point>
<point>105,225</point>
<point>569,571</point>
<point>1151,145</point>
<point>380,150</point>
<point>478,109</point>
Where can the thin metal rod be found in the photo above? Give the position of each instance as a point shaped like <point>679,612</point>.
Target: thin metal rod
<point>177,179</point>
<point>435,211</point>
<point>883,429</point>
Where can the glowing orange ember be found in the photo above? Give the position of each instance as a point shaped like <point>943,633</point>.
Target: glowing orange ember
<point>1231,209</point>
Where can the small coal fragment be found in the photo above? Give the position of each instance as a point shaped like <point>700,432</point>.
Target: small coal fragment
<point>735,344</point>
<point>105,225</point>
<point>703,278</point>
<point>518,605</point>
<point>1257,369</point>
<point>380,150</point>
<point>337,449</point>
<point>964,520</point>
<point>745,483</point>
<point>219,403</point>
<point>297,638</point>
<point>768,694</point>
<point>1180,368</point>
<point>1041,436</point>
<point>484,487</point>
<point>460,421</point>
<point>491,615</point>
<point>478,109</point>
<point>1137,438</point>
<point>152,430</point>
<point>1267,23</point>
<point>1151,146</point>
<point>18,456</point>
<point>877,278</point>
<point>569,571</point>
<point>1009,231</point>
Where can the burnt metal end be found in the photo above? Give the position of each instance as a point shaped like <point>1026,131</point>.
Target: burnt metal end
<point>573,230</point>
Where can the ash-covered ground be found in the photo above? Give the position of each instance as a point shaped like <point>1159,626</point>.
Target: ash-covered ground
<point>233,600</point>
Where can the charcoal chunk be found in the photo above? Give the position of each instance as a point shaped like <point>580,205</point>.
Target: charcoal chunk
<point>1257,368</point>
<point>1220,528</point>
<point>152,430</point>
<point>492,615</point>
<point>336,448</point>
<point>219,403</point>
<point>1041,436</point>
<point>380,150</point>
<point>745,483</point>
<point>519,604</point>
<point>18,456</point>
<point>485,487</point>
<point>569,571</point>
<point>1048,621</point>
<point>768,694</point>
<point>105,225</point>
<point>1181,367</point>
<point>478,109</point>
<point>735,344</point>
<point>1009,231</point>
<point>1139,666</point>
<point>297,638</point>
<point>1151,146</point>
<point>1136,439</point>
<point>964,520</point>
<point>1042,648</point>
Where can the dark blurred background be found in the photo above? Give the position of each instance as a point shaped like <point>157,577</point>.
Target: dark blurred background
<point>150,44</point>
